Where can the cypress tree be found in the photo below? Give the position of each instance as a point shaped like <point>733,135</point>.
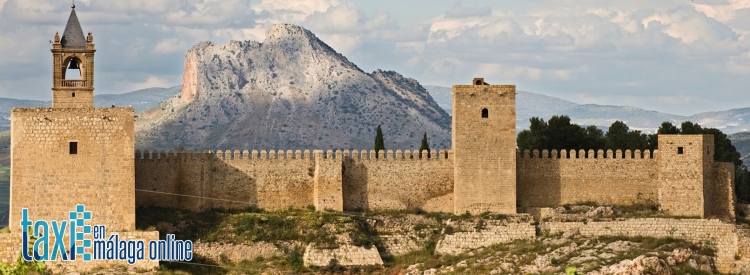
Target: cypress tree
<point>379,144</point>
<point>424,146</point>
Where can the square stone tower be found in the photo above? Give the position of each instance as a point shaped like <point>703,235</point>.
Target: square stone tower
<point>685,165</point>
<point>73,153</point>
<point>484,148</point>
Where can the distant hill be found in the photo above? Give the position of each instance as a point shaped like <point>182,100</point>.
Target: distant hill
<point>140,100</point>
<point>741,141</point>
<point>531,104</point>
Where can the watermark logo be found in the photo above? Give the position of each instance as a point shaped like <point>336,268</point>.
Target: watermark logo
<point>75,239</point>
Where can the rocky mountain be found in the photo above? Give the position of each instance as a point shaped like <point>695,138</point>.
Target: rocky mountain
<point>531,104</point>
<point>140,100</point>
<point>290,92</point>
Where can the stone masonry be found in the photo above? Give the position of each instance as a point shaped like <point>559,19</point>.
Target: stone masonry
<point>73,154</point>
<point>483,172</point>
<point>484,141</point>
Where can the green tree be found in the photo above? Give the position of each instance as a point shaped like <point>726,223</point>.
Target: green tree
<point>665,128</point>
<point>668,128</point>
<point>742,182</point>
<point>617,136</point>
<point>561,134</point>
<point>723,148</point>
<point>594,139</point>
<point>379,144</point>
<point>688,128</point>
<point>533,138</point>
<point>424,146</point>
<point>636,140</point>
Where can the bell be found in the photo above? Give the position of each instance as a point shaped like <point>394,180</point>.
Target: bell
<point>73,65</point>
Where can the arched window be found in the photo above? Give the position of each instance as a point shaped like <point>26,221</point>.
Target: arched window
<point>72,70</point>
<point>478,82</point>
<point>485,113</point>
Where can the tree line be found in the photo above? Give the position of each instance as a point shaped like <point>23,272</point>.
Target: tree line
<point>559,133</point>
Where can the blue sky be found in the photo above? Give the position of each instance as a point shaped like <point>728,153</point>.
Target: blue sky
<point>676,56</point>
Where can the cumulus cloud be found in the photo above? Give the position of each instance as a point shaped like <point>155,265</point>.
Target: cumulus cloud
<point>169,45</point>
<point>150,82</point>
<point>659,52</point>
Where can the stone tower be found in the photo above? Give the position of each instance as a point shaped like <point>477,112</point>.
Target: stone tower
<point>73,153</point>
<point>72,51</point>
<point>484,146</point>
<point>685,170</point>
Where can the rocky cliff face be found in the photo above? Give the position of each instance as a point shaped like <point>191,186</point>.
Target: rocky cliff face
<point>290,92</point>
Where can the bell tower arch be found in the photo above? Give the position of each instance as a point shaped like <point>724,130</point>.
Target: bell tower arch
<point>73,66</point>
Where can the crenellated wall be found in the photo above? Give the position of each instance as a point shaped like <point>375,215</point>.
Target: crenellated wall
<point>232,179</point>
<point>340,180</point>
<point>398,181</point>
<point>358,180</point>
<point>554,178</point>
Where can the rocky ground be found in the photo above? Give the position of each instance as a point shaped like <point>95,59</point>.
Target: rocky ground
<point>575,255</point>
<point>407,243</point>
<point>547,255</point>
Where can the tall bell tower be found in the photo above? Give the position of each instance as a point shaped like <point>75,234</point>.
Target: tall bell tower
<point>73,66</point>
<point>73,153</point>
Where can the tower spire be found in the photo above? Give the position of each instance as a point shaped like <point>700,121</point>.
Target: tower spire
<point>73,56</point>
<point>73,34</point>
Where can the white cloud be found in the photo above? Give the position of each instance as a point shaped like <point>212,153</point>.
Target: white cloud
<point>530,73</point>
<point>150,82</point>
<point>343,43</point>
<point>170,45</point>
<point>600,51</point>
<point>739,64</point>
<point>725,12</point>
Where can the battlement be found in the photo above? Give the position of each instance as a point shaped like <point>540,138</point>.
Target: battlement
<point>399,155</point>
<point>289,154</point>
<point>588,154</point>
<point>115,110</point>
<point>471,89</point>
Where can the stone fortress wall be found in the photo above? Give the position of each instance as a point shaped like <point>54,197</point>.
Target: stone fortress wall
<point>340,180</point>
<point>569,177</point>
<point>74,153</point>
<point>483,172</point>
<point>401,180</point>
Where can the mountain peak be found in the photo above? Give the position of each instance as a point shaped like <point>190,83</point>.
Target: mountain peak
<point>292,91</point>
<point>284,31</point>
